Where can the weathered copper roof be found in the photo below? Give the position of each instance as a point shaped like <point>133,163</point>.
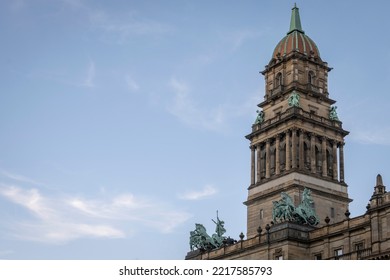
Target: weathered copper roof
<point>296,40</point>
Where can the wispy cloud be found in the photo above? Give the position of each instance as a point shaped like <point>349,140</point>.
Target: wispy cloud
<point>51,217</point>
<point>20,178</point>
<point>89,80</point>
<point>132,85</point>
<point>185,109</point>
<point>189,112</point>
<point>30,199</point>
<point>239,37</point>
<point>122,28</point>
<point>206,191</point>
<point>119,27</point>
<point>372,135</point>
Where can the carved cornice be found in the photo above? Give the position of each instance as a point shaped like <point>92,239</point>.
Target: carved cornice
<point>293,114</point>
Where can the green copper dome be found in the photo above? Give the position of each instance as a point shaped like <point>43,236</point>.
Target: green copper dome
<point>296,40</point>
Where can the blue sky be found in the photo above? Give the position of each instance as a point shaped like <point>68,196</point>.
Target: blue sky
<point>123,122</point>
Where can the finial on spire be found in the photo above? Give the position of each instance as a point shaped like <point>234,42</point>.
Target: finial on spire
<point>379,181</point>
<point>379,189</point>
<point>295,23</point>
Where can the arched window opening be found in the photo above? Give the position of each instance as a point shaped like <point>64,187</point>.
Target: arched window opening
<point>306,157</point>
<point>318,160</point>
<point>329,159</point>
<point>263,162</point>
<point>273,160</point>
<point>282,156</point>
<point>310,78</point>
<point>278,80</point>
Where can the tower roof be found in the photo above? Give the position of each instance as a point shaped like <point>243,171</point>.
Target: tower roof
<point>296,40</point>
<point>295,22</point>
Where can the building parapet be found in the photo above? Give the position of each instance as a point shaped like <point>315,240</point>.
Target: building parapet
<point>340,227</point>
<point>275,234</point>
<point>296,112</point>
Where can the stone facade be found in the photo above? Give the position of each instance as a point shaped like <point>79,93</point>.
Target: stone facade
<point>362,237</point>
<point>299,144</point>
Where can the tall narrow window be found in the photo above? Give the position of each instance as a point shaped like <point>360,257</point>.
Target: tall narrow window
<point>306,155</point>
<point>283,156</point>
<point>278,80</point>
<point>263,163</point>
<point>318,160</point>
<point>310,78</point>
<point>273,160</point>
<point>329,162</point>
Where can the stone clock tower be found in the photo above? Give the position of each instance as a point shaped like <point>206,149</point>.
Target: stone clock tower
<point>297,161</point>
<point>297,139</point>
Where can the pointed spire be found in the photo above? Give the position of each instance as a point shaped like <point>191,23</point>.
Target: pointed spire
<point>379,188</point>
<point>295,23</point>
<point>379,181</point>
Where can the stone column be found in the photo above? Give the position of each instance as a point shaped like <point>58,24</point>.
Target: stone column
<point>277,155</point>
<point>258,148</point>
<point>267,158</point>
<point>335,165</point>
<point>294,148</point>
<point>288,150</point>
<point>324,159</point>
<point>253,164</point>
<point>341,157</point>
<point>313,153</point>
<point>301,151</point>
